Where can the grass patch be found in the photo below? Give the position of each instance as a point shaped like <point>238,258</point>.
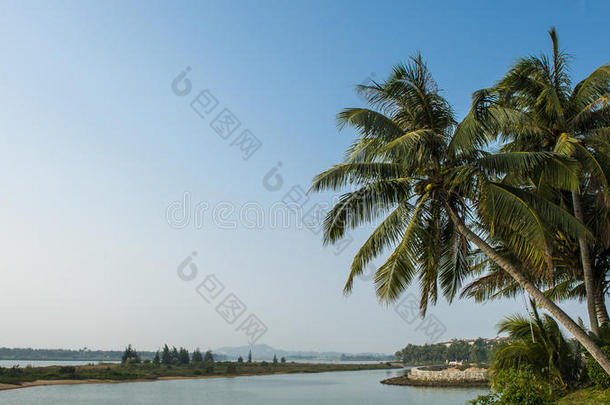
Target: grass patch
<point>588,396</point>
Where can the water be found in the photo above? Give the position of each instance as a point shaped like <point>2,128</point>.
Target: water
<point>347,387</point>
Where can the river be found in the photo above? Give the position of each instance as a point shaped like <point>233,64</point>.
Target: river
<point>336,388</point>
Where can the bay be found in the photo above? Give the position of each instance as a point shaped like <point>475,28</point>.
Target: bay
<point>348,387</point>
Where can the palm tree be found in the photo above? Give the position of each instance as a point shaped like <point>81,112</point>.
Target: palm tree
<point>567,282</point>
<point>438,196</point>
<point>536,108</point>
<point>538,343</point>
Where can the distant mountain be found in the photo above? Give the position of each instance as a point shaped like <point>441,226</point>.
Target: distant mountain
<point>266,352</point>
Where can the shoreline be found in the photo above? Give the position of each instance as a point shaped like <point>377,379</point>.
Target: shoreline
<point>406,381</point>
<point>41,383</point>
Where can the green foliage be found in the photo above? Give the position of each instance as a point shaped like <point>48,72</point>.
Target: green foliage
<point>157,359</point>
<point>458,350</point>
<point>166,357</point>
<point>130,355</point>
<point>274,359</point>
<point>70,370</point>
<point>183,356</point>
<point>537,344</point>
<point>512,387</point>
<point>535,108</point>
<point>197,356</point>
<point>479,352</point>
<point>598,375</point>
<point>587,396</point>
<point>240,359</point>
<point>209,357</point>
<point>175,355</point>
<point>426,188</point>
<point>118,372</point>
<point>250,356</point>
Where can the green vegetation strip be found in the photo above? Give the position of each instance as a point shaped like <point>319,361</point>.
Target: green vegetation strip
<point>148,371</point>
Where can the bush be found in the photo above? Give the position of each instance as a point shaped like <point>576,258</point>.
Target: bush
<point>67,370</point>
<point>597,374</point>
<point>512,387</point>
<point>14,371</point>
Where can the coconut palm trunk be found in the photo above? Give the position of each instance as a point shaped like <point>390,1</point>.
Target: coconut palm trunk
<point>600,306</point>
<point>538,295</point>
<point>586,267</point>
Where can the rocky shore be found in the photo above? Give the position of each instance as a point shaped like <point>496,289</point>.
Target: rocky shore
<point>442,377</point>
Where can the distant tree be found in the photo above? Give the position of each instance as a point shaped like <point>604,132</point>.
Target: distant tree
<point>166,357</point>
<point>458,351</point>
<point>197,356</point>
<point>130,355</point>
<point>478,352</point>
<point>209,357</point>
<point>240,359</point>
<point>250,356</point>
<point>175,355</point>
<point>283,360</point>
<point>274,359</point>
<point>157,359</point>
<point>183,356</point>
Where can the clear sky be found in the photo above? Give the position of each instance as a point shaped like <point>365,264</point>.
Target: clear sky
<point>95,146</point>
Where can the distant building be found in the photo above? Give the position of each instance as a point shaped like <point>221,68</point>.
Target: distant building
<point>497,339</point>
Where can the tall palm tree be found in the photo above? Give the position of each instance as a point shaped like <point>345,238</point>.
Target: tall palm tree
<point>439,197</point>
<point>535,108</point>
<point>539,344</point>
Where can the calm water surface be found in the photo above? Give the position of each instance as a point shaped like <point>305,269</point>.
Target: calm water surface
<point>348,387</point>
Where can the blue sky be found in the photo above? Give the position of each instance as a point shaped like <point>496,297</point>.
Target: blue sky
<point>96,146</point>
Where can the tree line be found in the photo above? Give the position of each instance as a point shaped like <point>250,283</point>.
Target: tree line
<point>181,356</point>
<point>167,356</point>
<point>83,354</point>
<point>459,351</point>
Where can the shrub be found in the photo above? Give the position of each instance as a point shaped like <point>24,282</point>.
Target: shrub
<point>597,374</point>
<point>14,371</point>
<point>512,387</point>
<point>67,370</point>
